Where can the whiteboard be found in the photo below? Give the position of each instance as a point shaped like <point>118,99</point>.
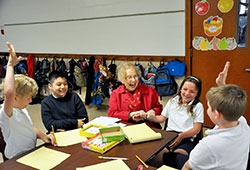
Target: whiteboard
<point>110,27</point>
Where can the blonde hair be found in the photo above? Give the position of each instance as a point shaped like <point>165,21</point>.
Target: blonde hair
<point>230,100</point>
<point>122,68</point>
<point>25,86</point>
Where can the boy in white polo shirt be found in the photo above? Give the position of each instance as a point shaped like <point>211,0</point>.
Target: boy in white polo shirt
<point>227,144</point>
<point>15,122</point>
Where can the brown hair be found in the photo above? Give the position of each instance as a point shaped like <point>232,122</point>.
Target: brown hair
<point>230,100</point>
<point>197,83</point>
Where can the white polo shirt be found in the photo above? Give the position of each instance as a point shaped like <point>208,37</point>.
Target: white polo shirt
<point>222,149</point>
<point>18,132</point>
<point>178,118</point>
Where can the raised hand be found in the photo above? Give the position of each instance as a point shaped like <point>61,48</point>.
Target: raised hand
<point>13,59</point>
<point>222,76</point>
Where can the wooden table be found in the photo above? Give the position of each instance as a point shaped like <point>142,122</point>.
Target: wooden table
<point>81,157</point>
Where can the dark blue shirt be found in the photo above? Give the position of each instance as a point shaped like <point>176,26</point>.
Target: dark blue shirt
<point>63,113</point>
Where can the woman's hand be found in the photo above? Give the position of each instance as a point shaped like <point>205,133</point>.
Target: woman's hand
<point>137,115</point>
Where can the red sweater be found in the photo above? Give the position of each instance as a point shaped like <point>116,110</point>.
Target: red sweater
<point>119,103</point>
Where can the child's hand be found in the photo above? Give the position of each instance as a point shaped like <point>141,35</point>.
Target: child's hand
<point>13,60</point>
<point>150,115</point>
<point>221,79</point>
<point>49,139</point>
<point>177,141</point>
<point>143,114</point>
<point>80,122</point>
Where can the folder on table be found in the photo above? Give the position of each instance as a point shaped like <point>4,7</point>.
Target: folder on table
<point>140,133</point>
<point>110,165</point>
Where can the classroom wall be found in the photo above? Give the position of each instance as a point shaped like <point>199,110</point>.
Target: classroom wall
<point>116,27</point>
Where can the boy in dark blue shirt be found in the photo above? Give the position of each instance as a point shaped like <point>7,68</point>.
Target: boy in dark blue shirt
<point>62,109</point>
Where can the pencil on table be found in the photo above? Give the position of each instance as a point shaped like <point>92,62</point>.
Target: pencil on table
<point>141,161</point>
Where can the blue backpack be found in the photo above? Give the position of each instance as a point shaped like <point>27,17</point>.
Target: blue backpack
<point>165,84</point>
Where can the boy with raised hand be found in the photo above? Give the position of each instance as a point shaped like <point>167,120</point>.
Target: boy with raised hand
<point>227,144</point>
<point>15,122</point>
<point>64,110</point>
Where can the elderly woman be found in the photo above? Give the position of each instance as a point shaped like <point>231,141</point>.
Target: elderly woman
<point>133,101</point>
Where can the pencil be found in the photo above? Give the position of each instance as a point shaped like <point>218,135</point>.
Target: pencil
<point>141,161</point>
<point>105,157</point>
<point>53,133</point>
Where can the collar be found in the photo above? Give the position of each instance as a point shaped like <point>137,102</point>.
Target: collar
<point>58,97</point>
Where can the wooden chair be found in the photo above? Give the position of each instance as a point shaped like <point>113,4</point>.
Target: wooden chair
<point>2,146</point>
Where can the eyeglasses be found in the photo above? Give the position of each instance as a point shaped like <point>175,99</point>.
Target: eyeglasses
<point>132,77</point>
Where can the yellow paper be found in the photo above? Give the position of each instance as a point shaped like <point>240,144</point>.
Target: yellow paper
<point>164,167</point>
<point>110,165</point>
<point>69,137</point>
<point>140,133</point>
<point>43,158</point>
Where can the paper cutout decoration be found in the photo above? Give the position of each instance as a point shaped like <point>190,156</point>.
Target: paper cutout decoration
<point>203,45</point>
<point>225,5</point>
<point>200,43</point>
<point>213,25</point>
<point>215,41</point>
<point>231,44</point>
<point>222,44</point>
<point>202,7</point>
<point>196,42</point>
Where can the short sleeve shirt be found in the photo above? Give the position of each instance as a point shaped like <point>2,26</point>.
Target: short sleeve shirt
<point>178,118</point>
<point>18,132</point>
<point>222,149</point>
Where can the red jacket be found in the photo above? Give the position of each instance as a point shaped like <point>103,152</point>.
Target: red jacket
<point>119,103</point>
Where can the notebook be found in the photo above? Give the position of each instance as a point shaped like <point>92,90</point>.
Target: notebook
<point>164,167</point>
<point>43,158</point>
<point>140,133</point>
<point>69,137</point>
